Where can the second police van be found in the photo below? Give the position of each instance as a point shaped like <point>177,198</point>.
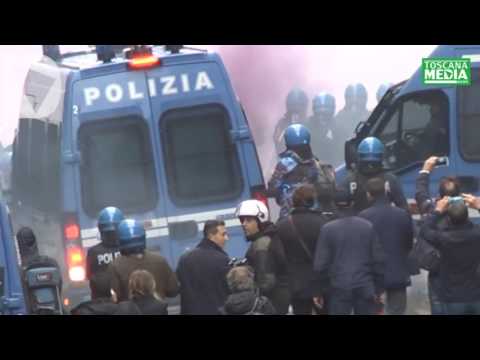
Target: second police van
<point>416,120</point>
<point>155,131</point>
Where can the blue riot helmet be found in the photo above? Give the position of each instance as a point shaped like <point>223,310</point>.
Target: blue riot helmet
<point>131,236</point>
<point>356,96</point>
<point>109,218</point>
<point>323,104</point>
<point>382,89</point>
<point>370,149</point>
<point>296,135</point>
<point>108,221</point>
<point>297,102</point>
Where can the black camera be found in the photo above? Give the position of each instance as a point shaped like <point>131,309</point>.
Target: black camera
<point>443,160</point>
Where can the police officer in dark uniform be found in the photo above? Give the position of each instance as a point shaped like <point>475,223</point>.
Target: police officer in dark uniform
<point>134,256</point>
<point>297,106</point>
<point>100,255</point>
<point>297,166</point>
<point>369,165</point>
<point>382,89</point>
<point>354,111</point>
<point>322,129</point>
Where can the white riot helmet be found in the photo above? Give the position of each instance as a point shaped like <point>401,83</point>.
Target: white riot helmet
<point>253,208</point>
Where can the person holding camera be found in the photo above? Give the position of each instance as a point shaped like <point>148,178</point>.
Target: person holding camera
<point>202,272</point>
<point>426,256</point>
<point>459,247</point>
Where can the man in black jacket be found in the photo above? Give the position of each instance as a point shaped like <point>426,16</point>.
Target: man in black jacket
<point>449,186</point>
<point>394,228</point>
<point>459,246</point>
<point>299,233</point>
<point>349,261</point>
<point>202,273</point>
<point>265,254</point>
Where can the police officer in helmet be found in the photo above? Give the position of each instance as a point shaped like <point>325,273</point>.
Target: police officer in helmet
<point>382,89</point>
<point>134,256</point>
<point>370,164</point>
<point>100,255</point>
<point>354,111</point>
<point>297,166</point>
<point>321,125</point>
<point>297,107</point>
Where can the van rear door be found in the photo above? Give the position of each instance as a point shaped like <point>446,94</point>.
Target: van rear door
<point>115,138</point>
<point>193,113</point>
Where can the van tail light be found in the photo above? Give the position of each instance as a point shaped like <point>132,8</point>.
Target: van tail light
<point>76,263</point>
<point>74,253</point>
<point>71,229</point>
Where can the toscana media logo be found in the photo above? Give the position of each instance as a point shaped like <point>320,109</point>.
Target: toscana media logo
<point>446,71</point>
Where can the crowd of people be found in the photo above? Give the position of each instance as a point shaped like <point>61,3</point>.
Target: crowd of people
<point>337,248</point>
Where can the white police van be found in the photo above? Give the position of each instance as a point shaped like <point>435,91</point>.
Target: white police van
<point>155,131</point>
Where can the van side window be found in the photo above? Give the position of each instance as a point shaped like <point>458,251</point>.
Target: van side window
<point>416,129</point>
<point>201,161</point>
<point>36,164</point>
<point>117,166</point>
<point>469,118</point>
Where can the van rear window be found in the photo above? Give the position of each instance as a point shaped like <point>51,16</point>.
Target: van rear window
<point>201,161</point>
<point>117,165</point>
<point>469,118</point>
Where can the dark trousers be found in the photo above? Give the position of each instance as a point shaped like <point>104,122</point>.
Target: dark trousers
<point>305,306</point>
<point>360,301</point>
<point>470,308</point>
<point>437,307</point>
<point>302,306</point>
<point>396,301</point>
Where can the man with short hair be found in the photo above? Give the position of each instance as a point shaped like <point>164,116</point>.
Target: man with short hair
<point>394,228</point>
<point>459,246</point>
<point>202,272</point>
<point>299,232</point>
<point>349,261</point>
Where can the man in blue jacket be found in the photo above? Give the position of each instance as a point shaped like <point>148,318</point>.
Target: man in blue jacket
<point>394,228</point>
<point>349,262</point>
<point>459,246</point>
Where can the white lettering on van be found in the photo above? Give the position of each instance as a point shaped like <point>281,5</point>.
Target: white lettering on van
<point>185,83</point>
<point>90,94</point>
<point>168,87</point>
<point>171,85</point>
<point>134,95</point>
<point>203,81</point>
<point>114,93</point>
<point>152,87</point>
